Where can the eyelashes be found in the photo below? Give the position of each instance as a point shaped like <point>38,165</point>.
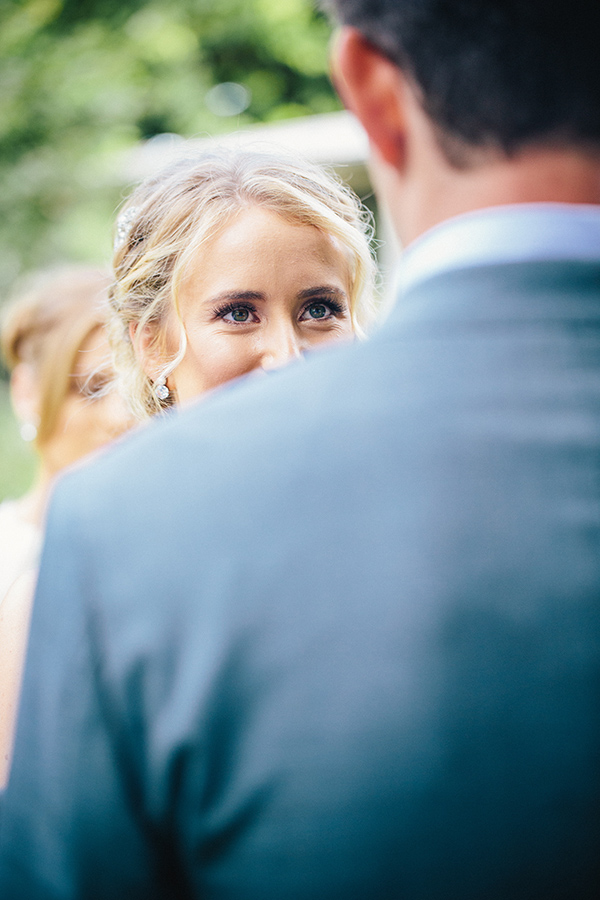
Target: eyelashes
<point>242,313</point>
<point>334,305</point>
<point>95,385</point>
<point>234,306</point>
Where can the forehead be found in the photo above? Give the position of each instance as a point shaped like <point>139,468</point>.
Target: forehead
<point>260,242</point>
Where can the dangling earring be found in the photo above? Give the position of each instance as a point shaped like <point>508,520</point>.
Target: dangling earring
<point>28,431</point>
<point>161,391</point>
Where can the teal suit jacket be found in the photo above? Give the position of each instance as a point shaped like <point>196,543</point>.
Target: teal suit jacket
<point>334,633</point>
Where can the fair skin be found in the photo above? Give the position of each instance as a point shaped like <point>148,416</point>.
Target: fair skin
<point>421,188</point>
<point>260,294</point>
<point>88,419</point>
<point>15,611</point>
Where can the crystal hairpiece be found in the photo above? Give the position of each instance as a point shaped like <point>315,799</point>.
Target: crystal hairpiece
<point>124,223</point>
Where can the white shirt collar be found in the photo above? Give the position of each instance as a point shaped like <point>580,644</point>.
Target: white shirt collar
<point>501,234</point>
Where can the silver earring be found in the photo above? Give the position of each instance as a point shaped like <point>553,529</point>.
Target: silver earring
<point>161,391</point>
<point>28,431</point>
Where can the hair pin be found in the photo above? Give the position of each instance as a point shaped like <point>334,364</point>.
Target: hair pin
<point>124,223</point>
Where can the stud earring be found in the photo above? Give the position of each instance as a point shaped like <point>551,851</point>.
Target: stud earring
<point>161,391</point>
<point>28,431</point>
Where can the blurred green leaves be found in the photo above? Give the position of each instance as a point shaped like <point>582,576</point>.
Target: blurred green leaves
<point>82,81</point>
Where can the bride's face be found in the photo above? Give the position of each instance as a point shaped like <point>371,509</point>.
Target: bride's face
<point>260,294</point>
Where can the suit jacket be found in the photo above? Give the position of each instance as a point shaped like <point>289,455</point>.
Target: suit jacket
<point>334,633</point>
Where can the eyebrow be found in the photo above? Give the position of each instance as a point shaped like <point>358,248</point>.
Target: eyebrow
<point>323,290</point>
<point>237,295</point>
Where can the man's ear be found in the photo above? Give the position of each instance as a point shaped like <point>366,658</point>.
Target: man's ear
<point>374,89</point>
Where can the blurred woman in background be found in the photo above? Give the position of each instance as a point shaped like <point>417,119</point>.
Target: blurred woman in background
<point>55,347</point>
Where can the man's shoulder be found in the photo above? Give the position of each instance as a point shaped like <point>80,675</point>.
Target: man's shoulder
<point>250,422</point>
<point>501,292</point>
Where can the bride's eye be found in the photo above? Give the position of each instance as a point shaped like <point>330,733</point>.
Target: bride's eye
<point>241,314</point>
<point>319,310</point>
<point>236,314</point>
<point>92,386</point>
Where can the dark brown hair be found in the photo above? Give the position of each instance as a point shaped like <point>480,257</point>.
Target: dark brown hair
<point>499,74</point>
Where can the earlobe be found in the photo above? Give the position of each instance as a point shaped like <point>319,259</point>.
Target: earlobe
<point>372,88</point>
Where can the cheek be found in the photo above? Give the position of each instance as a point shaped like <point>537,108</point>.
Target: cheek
<point>340,331</point>
<point>345,332</point>
<point>106,418</point>
<point>68,417</point>
<point>218,360</point>
<point>70,438</point>
<point>92,425</point>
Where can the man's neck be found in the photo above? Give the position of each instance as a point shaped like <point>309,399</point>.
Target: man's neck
<point>534,176</point>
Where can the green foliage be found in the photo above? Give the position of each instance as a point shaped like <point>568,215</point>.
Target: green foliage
<point>82,81</point>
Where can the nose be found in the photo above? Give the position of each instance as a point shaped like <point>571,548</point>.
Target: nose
<point>281,345</point>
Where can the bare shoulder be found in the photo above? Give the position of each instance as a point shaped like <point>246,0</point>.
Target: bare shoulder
<point>15,611</point>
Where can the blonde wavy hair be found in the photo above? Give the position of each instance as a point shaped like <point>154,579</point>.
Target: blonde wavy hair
<point>45,323</point>
<point>169,217</point>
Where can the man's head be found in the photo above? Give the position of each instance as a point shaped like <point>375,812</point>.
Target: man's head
<point>497,74</point>
<point>471,103</point>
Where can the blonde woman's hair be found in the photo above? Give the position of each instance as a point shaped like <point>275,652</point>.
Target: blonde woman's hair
<point>45,323</point>
<point>169,217</point>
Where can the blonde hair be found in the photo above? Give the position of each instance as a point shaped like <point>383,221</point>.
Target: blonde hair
<point>45,325</point>
<point>170,216</point>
